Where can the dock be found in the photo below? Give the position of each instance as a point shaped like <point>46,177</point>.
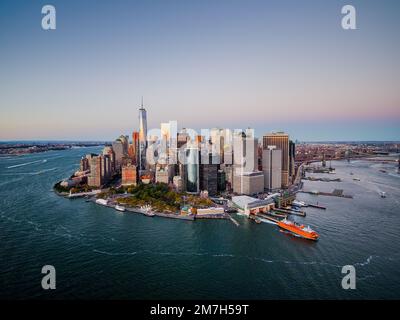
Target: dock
<point>316,206</point>
<point>296,213</point>
<point>278,215</point>
<point>264,216</point>
<point>334,193</point>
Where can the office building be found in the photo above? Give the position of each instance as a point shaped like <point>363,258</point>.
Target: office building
<point>178,183</point>
<point>292,156</point>
<point>84,164</point>
<point>192,180</point>
<point>164,173</point>
<point>248,183</point>
<point>129,174</point>
<point>272,168</point>
<point>142,137</point>
<point>106,171</point>
<point>95,178</point>
<point>110,152</point>
<point>221,181</point>
<point>133,151</point>
<point>120,147</point>
<point>281,141</point>
<point>209,178</point>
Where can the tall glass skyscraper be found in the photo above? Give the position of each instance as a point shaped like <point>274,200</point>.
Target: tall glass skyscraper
<point>192,169</point>
<point>142,136</point>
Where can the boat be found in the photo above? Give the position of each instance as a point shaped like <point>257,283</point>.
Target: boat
<point>298,203</point>
<point>120,208</point>
<point>383,194</point>
<point>356,179</point>
<point>301,230</point>
<point>382,170</point>
<point>103,202</point>
<point>268,220</point>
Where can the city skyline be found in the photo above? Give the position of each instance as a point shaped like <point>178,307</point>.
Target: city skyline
<point>226,64</point>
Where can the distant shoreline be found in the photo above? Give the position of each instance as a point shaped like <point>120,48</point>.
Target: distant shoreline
<point>18,149</point>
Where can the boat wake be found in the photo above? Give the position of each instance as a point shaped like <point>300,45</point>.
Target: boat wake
<point>26,164</point>
<point>368,261</point>
<point>115,253</point>
<point>10,181</point>
<point>34,173</point>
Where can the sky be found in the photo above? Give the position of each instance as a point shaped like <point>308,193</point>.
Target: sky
<point>269,65</point>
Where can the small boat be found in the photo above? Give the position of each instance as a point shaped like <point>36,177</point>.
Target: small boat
<point>102,202</point>
<point>120,208</point>
<point>383,194</point>
<point>382,170</point>
<point>298,203</point>
<point>356,179</point>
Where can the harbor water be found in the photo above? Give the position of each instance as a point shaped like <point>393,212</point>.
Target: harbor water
<point>99,252</point>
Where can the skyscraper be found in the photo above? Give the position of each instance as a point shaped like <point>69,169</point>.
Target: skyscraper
<point>246,177</point>
<point>142,136</point>
<point>292,156</point>
<point>133,151</point>
<point>192,181</point>
<point>95,177</point>
<point>272,168</point>
<point>120,147</point>
<point>209,178</point>
<point>281,141</point>
<point>110,152</point>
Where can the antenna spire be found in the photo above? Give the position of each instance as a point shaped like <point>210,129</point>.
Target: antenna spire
<point>142,102</point>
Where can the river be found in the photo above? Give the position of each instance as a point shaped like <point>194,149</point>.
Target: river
<point>101,253</point>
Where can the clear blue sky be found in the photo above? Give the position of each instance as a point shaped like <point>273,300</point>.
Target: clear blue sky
<point>269,65</point>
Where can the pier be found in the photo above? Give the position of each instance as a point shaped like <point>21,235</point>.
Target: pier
<point>334,193</point>
<point>267,217</point>
<point>322,179</point>
<point>296,213</point>
<point>316,206</point>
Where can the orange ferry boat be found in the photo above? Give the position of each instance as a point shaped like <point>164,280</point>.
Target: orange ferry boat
<point>301,230</point>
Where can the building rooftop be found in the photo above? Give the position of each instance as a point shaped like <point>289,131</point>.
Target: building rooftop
<point>250,202</point>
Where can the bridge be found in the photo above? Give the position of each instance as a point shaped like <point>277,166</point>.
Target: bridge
<point>349,153</point>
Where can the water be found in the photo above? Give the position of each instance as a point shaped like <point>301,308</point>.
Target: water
<point>101,253</point>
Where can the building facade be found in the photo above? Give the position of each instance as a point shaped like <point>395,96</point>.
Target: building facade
<point>129,174</point>
<point>272,168</point>
<point>248,183</point>
<point>95,178</point>
<point>142,137</point>
<point>281,141</point>
<point>209,178</point>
